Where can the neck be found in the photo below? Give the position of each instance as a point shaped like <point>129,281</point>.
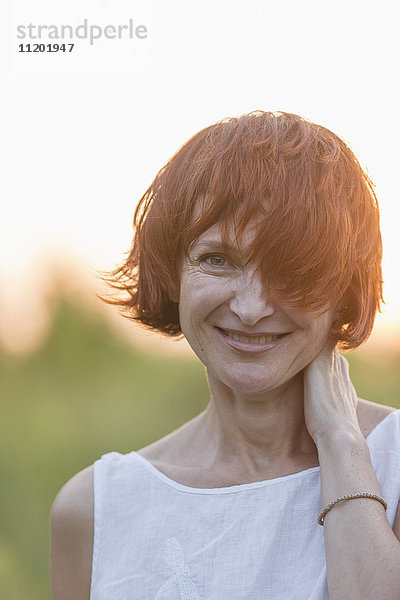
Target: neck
<point>255,432</point>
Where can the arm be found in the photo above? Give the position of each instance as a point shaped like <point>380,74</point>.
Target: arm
<point>71,538</point>
<point>362,551</point>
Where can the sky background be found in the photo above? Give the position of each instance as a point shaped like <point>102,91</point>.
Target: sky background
<point>84,133</point>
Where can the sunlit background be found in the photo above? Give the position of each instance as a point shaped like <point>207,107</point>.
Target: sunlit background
<point>83,134</point>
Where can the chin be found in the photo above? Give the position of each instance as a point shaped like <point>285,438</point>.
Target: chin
<point>249,383</point>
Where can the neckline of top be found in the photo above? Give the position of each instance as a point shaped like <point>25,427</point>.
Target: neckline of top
<point>241,486</point>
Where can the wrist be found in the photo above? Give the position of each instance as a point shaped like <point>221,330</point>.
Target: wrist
<point>342,437</point>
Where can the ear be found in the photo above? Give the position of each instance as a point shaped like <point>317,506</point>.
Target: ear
<point>339,309</point>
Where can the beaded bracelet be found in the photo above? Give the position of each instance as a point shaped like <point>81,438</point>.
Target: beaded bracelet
<point>327,508</point>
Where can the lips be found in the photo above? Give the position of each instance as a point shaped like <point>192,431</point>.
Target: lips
<point>262,339</point>
<point>246,344</point>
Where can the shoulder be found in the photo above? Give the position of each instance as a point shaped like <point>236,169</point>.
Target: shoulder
<point>71,546</point>
<point>370,414</point>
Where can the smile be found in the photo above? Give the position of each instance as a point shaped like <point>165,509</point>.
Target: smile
<point>252,340</point>
<point>247,344</point>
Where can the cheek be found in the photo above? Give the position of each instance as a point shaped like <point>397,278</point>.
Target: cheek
<point>319,332</point>
<point>312,329</point>
<point>310,321</point>
<point>204,291</point>
<point>196,301</point>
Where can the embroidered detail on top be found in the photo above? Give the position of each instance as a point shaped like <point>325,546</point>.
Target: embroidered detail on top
<point>174,557</point>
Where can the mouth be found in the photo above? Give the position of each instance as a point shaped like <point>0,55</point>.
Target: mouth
<point>254,344</point>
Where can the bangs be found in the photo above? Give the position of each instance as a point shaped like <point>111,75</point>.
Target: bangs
<point>295,179</point>
<point>297,185</point>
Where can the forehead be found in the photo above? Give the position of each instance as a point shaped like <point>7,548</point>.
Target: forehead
<point>213,235</point>
<point>212,239</point>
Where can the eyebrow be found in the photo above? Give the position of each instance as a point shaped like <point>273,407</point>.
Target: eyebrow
<point>215,244</point>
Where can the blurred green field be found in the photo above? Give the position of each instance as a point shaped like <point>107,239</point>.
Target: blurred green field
<point>86,392</point>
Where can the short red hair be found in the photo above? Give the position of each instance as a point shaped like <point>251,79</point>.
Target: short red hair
<point>319,236</point>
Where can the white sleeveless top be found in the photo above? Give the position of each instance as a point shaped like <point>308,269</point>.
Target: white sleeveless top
<point>156,539</point>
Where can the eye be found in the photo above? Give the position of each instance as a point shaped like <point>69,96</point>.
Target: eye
<point>221,260</point>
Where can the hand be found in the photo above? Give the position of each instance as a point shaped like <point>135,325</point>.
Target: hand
<point>330,399</point>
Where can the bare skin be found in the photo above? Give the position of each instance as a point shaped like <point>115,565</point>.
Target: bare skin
<point>72,511</point>
<point>185,456</point>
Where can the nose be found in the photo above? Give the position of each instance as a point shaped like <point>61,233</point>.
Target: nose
<point>251,300</point>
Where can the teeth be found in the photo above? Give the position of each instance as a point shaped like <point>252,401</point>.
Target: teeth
<point>254,340</point>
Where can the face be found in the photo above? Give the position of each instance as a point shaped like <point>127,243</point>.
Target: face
<point>218,293</point>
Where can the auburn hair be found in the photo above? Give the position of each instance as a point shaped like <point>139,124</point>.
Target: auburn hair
<point>318,238</point>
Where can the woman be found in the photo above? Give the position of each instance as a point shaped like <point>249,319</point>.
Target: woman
<point>258,241</point>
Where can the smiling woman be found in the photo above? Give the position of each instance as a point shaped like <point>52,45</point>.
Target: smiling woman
<point>317,220</point>
<point>259,242</point>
